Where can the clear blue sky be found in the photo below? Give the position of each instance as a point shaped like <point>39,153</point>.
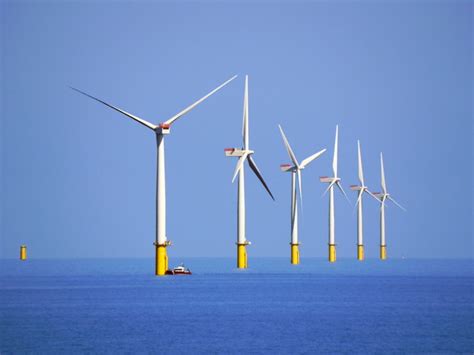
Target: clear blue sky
<point>78,179</point>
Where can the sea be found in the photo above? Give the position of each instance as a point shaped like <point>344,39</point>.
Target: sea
<point>397,306</point>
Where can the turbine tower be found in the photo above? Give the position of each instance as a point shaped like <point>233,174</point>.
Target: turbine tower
<point>362,189</point>
<point>334,180</point>
<point>160,130</point>
<point>384,196</point>
<point>244,154</point>
<point>295,170</point>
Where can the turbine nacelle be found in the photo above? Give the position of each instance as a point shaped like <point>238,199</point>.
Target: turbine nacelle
<point>288,168</point>
<point>329,180</point>
<point>358,188</point>
<point>163,128</point>
<point>237,152</point>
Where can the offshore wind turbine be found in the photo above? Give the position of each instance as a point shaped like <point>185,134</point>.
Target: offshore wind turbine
<point>362,189</point>
<point>160,130</point>
<point>384,196</point>
<point>244,154</point>
<point>295,171</point>
<point>333,181</point>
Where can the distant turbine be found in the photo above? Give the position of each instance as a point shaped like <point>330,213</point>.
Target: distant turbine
<point>362,189</point>
<point>383,196</point>
<point>161,242</point>
<point>295,169</point>
<point>334,180</point>
<point>244,154</point>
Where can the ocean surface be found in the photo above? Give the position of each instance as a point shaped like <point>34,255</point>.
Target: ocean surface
<point>117,305</point>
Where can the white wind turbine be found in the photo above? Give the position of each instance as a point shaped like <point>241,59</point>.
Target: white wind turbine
<point>160,130</point>
<point>295,170</point>
<point>362,189</point>
<point>244,154</point>
<point>383,196</point>
<point>334,180</point>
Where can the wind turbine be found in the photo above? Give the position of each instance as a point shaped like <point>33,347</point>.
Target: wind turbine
<point>162,129</point>
<point>334,180</point>
<point>244,154</point>
<point>384,196</point>
<point>362,189</point>
<point>295,170</point>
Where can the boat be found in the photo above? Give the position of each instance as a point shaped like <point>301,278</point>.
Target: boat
<point>179,270</point>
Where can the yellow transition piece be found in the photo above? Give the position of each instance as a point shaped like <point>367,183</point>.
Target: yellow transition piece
<point>241,256</point>
<point>332,253</point>
<point>383,252</point>
<point>360,252</point>
<point>295,254</point>
<point>161,260</point>
<point>23,252</point>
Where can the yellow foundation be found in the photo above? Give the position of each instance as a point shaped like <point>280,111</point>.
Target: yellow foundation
<point>161,260</point>
<point>23,252</point>
<point>241,256</point>
<point>360,252</point>
<point>295,254</point>
<point>332,253</point>
<point>383,252</point>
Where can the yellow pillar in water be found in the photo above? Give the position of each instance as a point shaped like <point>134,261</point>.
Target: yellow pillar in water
<point>383,252</point>
<point>161,259</point>
<point>332,253</point>
<point>360,252</point>
<point>241,256</point>
<point>23,252</point>
<point>295,254</point>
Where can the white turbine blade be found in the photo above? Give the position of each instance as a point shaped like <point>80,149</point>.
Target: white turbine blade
<point>334,159</point>
<point>361,172</point>
<point>138,119</point>
<point>298,172</point>
<point>288,147</point>
<point>329,186</point>
<point>338,184</point>
<point>245,123</point>
<point>254,168</point>
<point>308,160</point>
<point>361,192</point>
<point>396,203</point>
<point>189,108</point>
<point>239,165</point>
<point>382,174</point>
<point>371,194</point>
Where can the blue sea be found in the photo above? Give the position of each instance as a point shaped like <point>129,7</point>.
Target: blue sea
<point>118,306</point>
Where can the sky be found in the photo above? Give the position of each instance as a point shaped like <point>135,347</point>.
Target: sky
<point>78,179</point>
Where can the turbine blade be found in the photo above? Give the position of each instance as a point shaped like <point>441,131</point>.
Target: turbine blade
<point>334,159</point>
<point>254,168</point>
<point>382,174</point>
<point>190,107</point>
<point>138,119</point>
<point>396,203</point>
<point>329,186</point>
<point>308,160</point>
<point>298,172</point>
<point>338,184</point>
<point>361,192</point>
<point>371,194</point>
<point>245,123</point>
<point>288,147</point>
<point>361,172</point>
<point>239,165</point>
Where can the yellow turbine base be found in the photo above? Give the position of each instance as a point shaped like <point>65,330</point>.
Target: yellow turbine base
<point>383,252</point>
<point>241,256</point>
<point>295,254</point>
<point>161,260</point>
<point>23,252</point>
<point>332,253</point>
<point>360,252</point>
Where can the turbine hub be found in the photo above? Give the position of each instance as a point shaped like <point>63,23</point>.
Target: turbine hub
<point>163,128</point>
